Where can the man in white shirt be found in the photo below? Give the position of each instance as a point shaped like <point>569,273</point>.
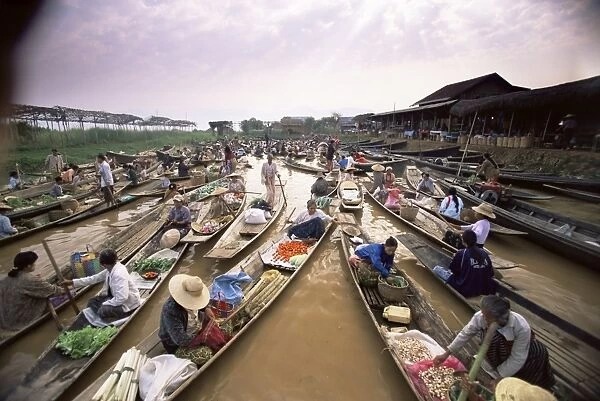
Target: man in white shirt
<point>54,162</point>
<point>106,179</point>
<point>119,296</point>
<point>482,226</point>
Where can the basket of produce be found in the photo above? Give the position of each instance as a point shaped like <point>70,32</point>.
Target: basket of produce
<point>69,204</point>
<point>392,288</point>
<point>352,231</point>
<point>409,212</point>
<point>288,249</point>
<point>367,277</point>
<point>150,275</point>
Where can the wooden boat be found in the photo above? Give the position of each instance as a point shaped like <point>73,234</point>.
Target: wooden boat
<point>434,228</point>
<point>351,195</point>
<point>99,208</point>
<point>575,366</point>
<point>366,142</point>
<point>54,372</point>
<point>424,318</point>
<point>437,152</point>
<point>573,193</point>
<point>303,167</point>
<point>212,210</point>
<point>371,155</point>
<point>575,239</point>
<point>126,244</point>
<point>252,265</point>
<point>393,145</point>
<point>239,235</point>
<point>413,176</point>
<point>121,158</point>
<point>368,166</point>
<point>524,195</point>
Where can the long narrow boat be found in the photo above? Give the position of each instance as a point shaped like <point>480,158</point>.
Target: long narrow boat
<point>369,165</point>
<point>392,145</point>
<point>507,191</point>
<point>239,234</point>
<point>126,244</point>
<point>573,193</point>
<point>121,158</point>
<point>575,239</point>
<point>434,228</point>
<point>351,195</point>
<point>576,365</point>
<point>303,167</point>
<point>423,317</point>
<point>413,175</point>
<point>212,217</point>
<point>252,265</point>
<point>439,151</point>
<point>54,372</point>
<point>35,209</point>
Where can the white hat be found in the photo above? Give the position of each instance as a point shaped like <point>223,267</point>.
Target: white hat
<point>378,167</point>
<point>170,238</point>
<point>513,389</point>
<point>388,168</point>
<point>485,209</point>
<point>189,291</point>
<point>178,198</point>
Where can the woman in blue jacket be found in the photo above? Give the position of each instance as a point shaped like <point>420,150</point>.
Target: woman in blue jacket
<point>379,257</point>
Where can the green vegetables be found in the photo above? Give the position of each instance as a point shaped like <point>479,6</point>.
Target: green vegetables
<point>18,203</point>
<point>145,265</point>
<point>85,342</point>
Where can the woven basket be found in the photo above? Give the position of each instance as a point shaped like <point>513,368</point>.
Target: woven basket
<point>392,293</point>
<point>367,277</point>
<point>54,215</point>
<point>409,212</point>
<point>71,204</point>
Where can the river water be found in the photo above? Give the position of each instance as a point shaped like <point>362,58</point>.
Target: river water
<point>316,342</point>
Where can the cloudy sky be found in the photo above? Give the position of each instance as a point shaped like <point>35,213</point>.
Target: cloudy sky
<point>234,59</point>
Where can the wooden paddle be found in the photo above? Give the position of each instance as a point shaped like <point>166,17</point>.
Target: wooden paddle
<point>485,344</point>
<point>60,276</point>
<point>52,311</point>
<point>282,190</point>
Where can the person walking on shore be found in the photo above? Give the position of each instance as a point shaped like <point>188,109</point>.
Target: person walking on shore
<point>54,162</point>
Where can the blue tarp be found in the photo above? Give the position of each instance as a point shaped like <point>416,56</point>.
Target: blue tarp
<point>228,287</point>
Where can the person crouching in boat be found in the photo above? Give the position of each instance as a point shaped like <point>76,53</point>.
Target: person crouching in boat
<point>119,296</point>
<point>320,187</point>
<point>377,258</point>
<point>179,217</point>
<point>481,227</point>
<point>425,184</point>
<point>310,224</point>
<point>514,350</point>
<point>394,199</point>
<point>6,227</point>
<point>23,294</point>
<point>187,326</point>
<point>488,170</point>
<point>470,272</point>
<point>452,205</point>
<point>389,178</point>
<point>132,175</point>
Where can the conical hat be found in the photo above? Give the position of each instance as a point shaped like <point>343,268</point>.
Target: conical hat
<point>513,389</point>
<point>378,167</point>
<point>485,209</point>
<point>170,238</point>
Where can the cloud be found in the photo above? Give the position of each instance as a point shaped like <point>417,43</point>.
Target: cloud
<point>234,59</point>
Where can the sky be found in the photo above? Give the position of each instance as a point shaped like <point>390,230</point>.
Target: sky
<point>206,60</point>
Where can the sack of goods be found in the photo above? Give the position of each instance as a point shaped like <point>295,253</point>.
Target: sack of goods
<point>170,239</point>
<point>255,216</point>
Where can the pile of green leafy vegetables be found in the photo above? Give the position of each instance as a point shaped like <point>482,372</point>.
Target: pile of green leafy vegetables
<point>85,342</point>
<point>161,265</point>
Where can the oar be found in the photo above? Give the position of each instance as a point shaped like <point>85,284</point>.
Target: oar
<point>282,190</point>
<point>52,311</point>
<point>60,276</point>
<point>479,358</point>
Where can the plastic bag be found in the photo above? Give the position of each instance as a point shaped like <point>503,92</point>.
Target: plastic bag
<point>210,335</point>
<point>255,216</point>
<point>416,368</point>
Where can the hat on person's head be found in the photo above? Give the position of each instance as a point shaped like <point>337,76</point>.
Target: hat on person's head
<point>4,206</point>
<point>378,167</point>
<point>485,209</point>
<point>388,168</point>
<point>189,291</point>
<point>513,389</point>
<point>178,198</point>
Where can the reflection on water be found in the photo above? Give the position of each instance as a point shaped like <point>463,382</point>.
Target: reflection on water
<point>316,342</point>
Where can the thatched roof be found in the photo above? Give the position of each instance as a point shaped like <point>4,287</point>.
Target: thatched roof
<point>569,95</point>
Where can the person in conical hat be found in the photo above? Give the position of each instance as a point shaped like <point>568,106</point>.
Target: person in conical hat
<point>320,187</point>
<point>187,294</point>
<point>513,389</point>
<point>481,227</point>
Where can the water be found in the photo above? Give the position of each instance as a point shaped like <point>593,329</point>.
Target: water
<point>316,342</point>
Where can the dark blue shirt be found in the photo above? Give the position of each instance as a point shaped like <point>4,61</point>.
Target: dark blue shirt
<point>469,276</point>
<point>375,253</point>
<point>173,326</point>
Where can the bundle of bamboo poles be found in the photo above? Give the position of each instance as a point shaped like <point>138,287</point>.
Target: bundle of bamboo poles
<point>122,384</point>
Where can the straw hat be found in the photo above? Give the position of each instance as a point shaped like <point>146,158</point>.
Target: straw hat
<point>485,209</point>
<point>351,231</point>
<point>513,389</point>
<point>378,167</point>
<point>4,206</point>
<point>189,291</point>
<point>170,238</point>
<point>178,198</point>
<point>388,169</point>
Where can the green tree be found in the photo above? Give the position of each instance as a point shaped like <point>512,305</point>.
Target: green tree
<point>245,126</point>
<point>309,124</point>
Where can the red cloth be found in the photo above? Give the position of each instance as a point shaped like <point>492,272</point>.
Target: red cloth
<point>416,368</point>
<point>210,335</point>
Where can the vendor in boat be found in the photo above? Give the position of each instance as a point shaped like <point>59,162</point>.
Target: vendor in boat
<point>378,257</point>
<point>56,189</point>
<point>425,184</point>
<point>452,205</point>
<point>329,155</point>
<point>119,296</point>
<point>106,179</point>
<point>23,294</point>
<point>14,181</point>
<point>481,227</point>
<point>187,326</point>
<point>389,178</point>
<point>346,162</point>
<point>514,350</point>
<point>132,175</point>
<point>359,157</point>
<point>320,187</point>
<point>488,170</point>
<point>182,169</point>
<point>378,185</point>
<point>268,174</point>
<point>310,224</point>
<point>78,179</point>
<point>179,217</point>
<point>394,198</point>
<point>470,272</point>
<point>54,162</point>
<point>236,184</point>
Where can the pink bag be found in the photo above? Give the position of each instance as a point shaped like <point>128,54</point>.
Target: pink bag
<point>418,367</point>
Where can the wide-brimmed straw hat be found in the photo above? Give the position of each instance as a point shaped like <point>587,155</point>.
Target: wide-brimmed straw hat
<point>170,238</point>
<point>378,167</point>
<point>485,209</point>
<point>189,291</point>
<point>513,389</point>
<point>351,230</point>
<point>4,206</point>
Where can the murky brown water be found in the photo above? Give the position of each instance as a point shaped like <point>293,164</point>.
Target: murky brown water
<point>316,342</point>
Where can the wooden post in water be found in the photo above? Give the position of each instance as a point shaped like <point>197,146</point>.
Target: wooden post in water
<point>466,147</point>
